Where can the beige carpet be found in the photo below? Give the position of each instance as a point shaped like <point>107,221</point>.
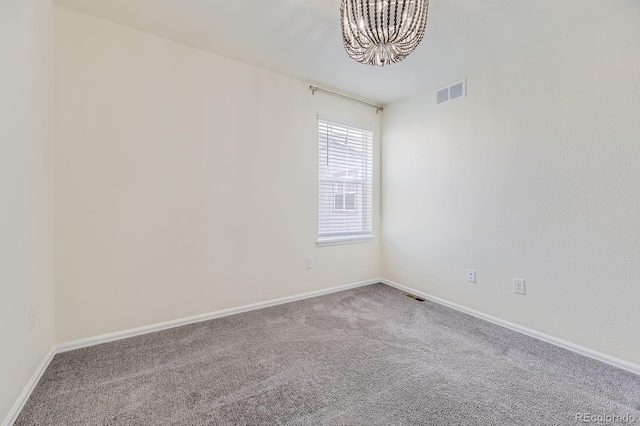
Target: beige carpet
<point>368,356</point>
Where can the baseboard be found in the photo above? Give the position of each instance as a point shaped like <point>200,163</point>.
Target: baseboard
<point>92,341</point>
<point>28,389</point>
<point>616,362</point>
<point>83,343</point>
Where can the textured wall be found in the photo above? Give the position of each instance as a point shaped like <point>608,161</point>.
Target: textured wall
<point>535,175</point>
<point>185,182</point>
<point>26,191</point>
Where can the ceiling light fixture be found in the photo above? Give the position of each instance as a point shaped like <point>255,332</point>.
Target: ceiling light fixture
<point>381,32</point>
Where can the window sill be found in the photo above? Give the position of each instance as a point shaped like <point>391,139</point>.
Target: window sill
<point>335,241</point>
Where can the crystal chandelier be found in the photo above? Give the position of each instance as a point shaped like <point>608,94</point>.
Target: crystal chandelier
<point>381,32</point>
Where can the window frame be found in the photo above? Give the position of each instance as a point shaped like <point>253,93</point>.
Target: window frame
<point>367,188</point>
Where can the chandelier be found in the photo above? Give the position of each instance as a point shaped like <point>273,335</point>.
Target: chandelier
<point>381,32</point>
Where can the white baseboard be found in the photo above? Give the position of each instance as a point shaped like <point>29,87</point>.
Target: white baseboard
<point>26,393</point>
<point>118,335</point>
<point>616,362</point>
<point>91,341</point>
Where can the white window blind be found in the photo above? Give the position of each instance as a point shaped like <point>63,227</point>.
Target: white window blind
<point>345,163</point>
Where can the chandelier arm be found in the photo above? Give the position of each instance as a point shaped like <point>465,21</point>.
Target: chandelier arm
<point>379,8</point>
<point>417,23</point>
<point>345,22</point>
<point>379,31</point>
<point>357,10</point>
<point>424,9</point>
<point>395,21</point>
<point>385,28</point>
<point>370,31</point>
<point>380,39</point>
<point>410,24</point>
<point>374,27</point>
<point>398,25</point>
<point>352,15</point>
<point>367,32</point>
<point>364,36</point>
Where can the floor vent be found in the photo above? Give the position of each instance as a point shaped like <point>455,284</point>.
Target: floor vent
<point>419,299</point>
<point>454,91</point>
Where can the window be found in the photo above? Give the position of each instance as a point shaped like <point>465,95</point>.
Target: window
<point>345,186</point>
<point>344,197</point>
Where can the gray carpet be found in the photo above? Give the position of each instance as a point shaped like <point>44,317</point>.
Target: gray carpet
<point>368,356</point>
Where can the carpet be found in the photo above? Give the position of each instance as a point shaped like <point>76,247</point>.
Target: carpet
<point>366,356</point>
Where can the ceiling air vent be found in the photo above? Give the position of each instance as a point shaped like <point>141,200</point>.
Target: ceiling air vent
<point>454,91</point>
<point>443,95</point>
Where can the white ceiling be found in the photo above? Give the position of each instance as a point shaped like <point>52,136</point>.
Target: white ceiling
<point>302,38</point>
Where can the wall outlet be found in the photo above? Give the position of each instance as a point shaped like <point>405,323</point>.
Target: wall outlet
<point>518,286</point>
<point>309,262</point>
<point>32,318</point>
<point>471,275</point>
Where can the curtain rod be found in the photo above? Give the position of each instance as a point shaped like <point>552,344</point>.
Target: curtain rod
<point>315,89</point>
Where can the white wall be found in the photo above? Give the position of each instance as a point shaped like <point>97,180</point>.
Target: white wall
<point>26,191</point>
<point>185,182</point>
<point>535,175</point>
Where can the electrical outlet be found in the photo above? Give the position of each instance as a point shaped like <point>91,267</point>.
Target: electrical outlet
<point>518,286</point>
<point>471,275</point>
<point>32,318</point>
<point>309,263</point>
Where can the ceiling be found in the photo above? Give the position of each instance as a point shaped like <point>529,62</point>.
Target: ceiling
<point>303,39</point>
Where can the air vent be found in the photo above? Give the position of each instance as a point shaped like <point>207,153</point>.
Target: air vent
<point>419,299</point>
<point>454,91</point>
<point>443,95</point>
